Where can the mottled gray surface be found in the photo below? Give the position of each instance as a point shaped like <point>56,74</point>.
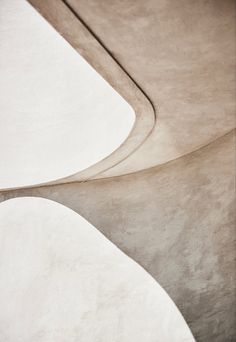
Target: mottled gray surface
<point>178,222</point>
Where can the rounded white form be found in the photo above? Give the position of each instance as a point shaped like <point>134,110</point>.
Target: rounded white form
<point>62,280</point>
<point>58,115</point>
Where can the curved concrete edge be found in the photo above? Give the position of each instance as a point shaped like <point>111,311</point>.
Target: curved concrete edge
<point>62,18</point>
<point>59,115</point>
<point>68,24</point>
<point>167,306</point>
<point>171,72</point>
<point>105,175</point>
<point>196,175</point>
<point>45,189</point>
<point>16,192</point>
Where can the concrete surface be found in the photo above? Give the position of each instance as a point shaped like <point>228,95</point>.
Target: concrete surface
<point>62,280</point>
<point>84,42</point>
<point>182,55</point>
<point>176,219</point>
<point>178,222</point>
<point>166,63</point>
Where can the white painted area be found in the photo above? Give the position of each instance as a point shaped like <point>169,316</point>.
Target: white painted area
<point>62,280</point>
<point>58,115</point>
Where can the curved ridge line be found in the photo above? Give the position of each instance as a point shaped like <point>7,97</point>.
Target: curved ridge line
<point>110,54</point>
<point>80,48</point>
<point>134,95</point>
<point>138,264</point>
<point>197,148</point>
<point>150,102</point>
<point>58,182</point>
<point>93,177</point>
<point>127,174</point>
<point>134,82</point>
<point>157,166</point>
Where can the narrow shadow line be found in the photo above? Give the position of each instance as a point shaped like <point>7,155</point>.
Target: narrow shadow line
<point>108,52</point>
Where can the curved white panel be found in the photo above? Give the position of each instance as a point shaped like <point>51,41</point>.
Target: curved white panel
<point>58,115</point>
<point>62,280</point>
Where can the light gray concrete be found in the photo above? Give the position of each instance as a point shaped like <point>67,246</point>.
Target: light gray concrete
<point>62,280</point>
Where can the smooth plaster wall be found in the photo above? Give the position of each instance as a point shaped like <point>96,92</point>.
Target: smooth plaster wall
<point>58,115</point>
<point>178,222</point>
<point>62,280</point>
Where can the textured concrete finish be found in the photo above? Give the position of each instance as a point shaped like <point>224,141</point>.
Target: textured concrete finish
<point>178,222</point>
<point>62,280</point>
<point>176,219</point>
<point>182,54</point>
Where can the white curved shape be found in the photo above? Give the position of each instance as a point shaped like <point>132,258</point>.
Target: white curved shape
<point>62,280</point>
<point>58,115</point>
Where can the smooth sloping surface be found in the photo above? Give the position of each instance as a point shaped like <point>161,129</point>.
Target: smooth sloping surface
<point>61,279</point>
<point>58,115</point>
